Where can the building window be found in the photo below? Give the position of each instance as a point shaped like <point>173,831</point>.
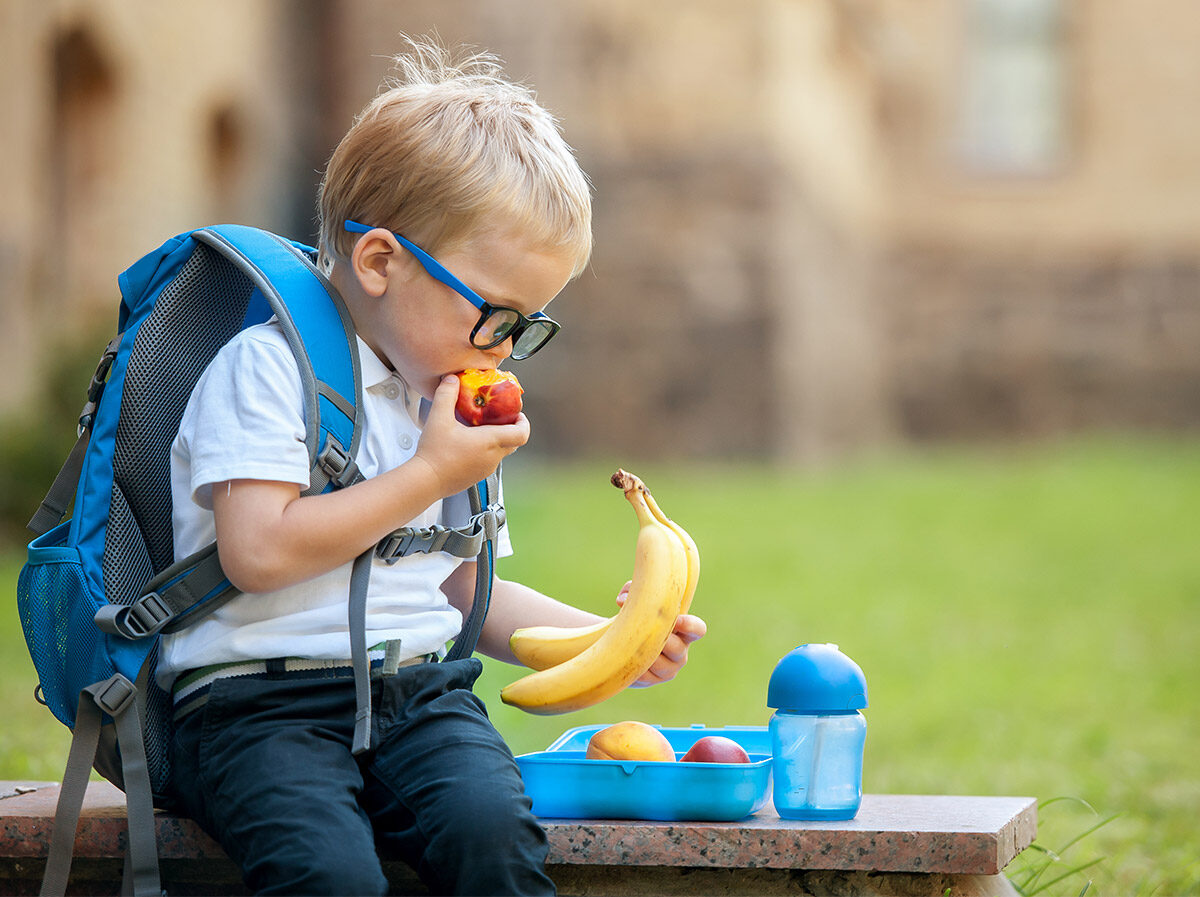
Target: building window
<point>1014,96</point>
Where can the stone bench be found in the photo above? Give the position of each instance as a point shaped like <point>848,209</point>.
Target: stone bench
<point>896,845</point>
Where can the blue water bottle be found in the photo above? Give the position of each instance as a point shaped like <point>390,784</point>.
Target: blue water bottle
<point>817,733</point>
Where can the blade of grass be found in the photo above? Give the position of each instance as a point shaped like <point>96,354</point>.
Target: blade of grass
<point>1067,874</point>
<point>1086,832</point>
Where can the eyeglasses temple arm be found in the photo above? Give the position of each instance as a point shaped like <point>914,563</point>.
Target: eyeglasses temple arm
<point>431,265</point>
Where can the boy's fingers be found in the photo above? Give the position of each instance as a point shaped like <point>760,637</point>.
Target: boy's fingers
<point>444,397</point>
<point>511,436</point>
<point>676,647</point>
<point>689,627</point>
<point>447,390</point>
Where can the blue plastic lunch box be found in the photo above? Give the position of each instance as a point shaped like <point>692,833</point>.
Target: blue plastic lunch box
<point>562,783</point>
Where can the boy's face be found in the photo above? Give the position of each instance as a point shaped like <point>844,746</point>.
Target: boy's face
<point>424,327</point>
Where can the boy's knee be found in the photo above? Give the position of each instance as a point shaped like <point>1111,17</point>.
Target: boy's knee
<point>506,832</point>
<point>494,834</point>
<point>501,814</point>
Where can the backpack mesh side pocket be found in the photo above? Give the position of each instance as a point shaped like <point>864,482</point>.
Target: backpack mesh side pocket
<point>57,608</point>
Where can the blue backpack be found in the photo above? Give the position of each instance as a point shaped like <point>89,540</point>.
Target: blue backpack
<point>99,587</point>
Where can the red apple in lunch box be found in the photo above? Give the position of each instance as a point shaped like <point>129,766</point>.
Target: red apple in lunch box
<point>488,397</point>
<point>716,749</point>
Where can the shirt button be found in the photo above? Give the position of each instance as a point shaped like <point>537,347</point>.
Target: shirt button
<point>392,390</point>
<point>406,441</point>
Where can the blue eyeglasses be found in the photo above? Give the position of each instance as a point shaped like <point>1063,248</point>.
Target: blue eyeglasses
<point>497,323</point>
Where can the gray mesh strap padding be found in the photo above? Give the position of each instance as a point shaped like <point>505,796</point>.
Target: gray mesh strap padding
<point>126,569</point>
<point>200,311</point>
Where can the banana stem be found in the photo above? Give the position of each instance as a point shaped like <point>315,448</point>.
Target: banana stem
<point>636,494</point>
<point>627,482</point>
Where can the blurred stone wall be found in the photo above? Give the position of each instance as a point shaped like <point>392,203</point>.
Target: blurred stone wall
<point>125,123</point>
<point>804,246</point>
<point>984,345</point>
<point>1060,294</point>
<point>725,313</point>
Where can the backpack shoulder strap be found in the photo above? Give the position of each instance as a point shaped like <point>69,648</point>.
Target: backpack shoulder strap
<point>487,515</point>
<point>314,319</point>
<point>485,498</point>
<point>322,338</point>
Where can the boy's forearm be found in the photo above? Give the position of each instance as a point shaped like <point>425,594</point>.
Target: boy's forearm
<point>270,537</point>
<point>515,605</point>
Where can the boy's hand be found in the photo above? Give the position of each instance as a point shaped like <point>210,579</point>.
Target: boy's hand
<point>688,628</point>
<point>458,455</point>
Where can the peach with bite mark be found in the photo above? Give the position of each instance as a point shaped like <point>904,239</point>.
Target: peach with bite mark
<point>487,397</point>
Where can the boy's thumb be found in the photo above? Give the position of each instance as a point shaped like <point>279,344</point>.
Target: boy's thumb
<point>447,391</point>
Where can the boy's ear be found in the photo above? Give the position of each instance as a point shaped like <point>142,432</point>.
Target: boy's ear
<point>370,261</point>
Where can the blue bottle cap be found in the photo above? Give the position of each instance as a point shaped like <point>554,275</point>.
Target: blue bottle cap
<point>817,679</point>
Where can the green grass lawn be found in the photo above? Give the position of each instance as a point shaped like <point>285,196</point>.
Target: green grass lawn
<point>1027,620</point>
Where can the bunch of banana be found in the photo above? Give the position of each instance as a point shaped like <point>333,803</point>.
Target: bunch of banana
<point>542,647</point>
<point>580,666</point>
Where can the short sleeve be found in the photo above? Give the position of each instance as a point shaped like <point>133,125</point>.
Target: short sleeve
<point>245,418</point>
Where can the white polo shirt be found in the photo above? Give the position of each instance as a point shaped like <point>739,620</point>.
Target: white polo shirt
<point>245,421</point>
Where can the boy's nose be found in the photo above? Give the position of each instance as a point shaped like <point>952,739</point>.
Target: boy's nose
<point>501,351</point>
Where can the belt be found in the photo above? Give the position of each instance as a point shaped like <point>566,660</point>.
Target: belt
<point>190,691</point>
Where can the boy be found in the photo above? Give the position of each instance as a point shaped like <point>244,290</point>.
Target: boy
<point>469,168</point>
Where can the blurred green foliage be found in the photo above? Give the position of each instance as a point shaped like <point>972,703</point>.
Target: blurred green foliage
<point>1028,620</point>
<point>36,438</point>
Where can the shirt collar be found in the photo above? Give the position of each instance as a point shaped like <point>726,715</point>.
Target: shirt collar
<point>374,371</point>
<point>376,374</point>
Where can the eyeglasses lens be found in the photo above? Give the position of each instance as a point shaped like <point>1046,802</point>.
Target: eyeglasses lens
<point>502,323</point>
<point>495,328</point>
<point>534,337</point>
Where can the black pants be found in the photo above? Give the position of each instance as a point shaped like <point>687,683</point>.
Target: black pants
<point>265,767</point>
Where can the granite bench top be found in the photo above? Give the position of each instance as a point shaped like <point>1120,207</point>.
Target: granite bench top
<point>891,833</point>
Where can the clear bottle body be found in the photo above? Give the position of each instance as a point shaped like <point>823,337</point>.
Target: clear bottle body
<point>817,768</point>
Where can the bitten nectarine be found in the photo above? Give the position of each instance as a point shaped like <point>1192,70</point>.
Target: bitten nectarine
<point>487,397</point>
<point>629,740</point>
<point>716,749</point>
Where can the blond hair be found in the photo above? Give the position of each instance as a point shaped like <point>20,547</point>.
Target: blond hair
<point>452,148</point>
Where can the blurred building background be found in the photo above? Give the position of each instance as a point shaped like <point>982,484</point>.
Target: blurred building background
<point>821,225</point>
